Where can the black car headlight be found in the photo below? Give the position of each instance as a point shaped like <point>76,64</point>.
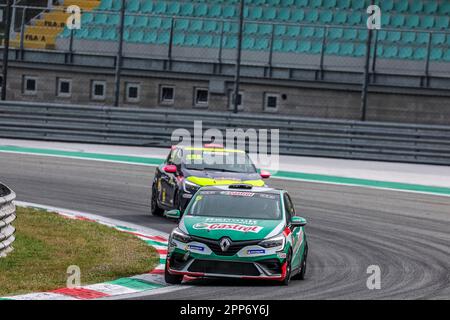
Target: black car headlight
<point>190,187</point>
<point>179,235</point>
<point>276,242</point>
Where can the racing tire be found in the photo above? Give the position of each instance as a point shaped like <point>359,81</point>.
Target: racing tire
<point>287,279</point>
<point>155,209</point>
<point>302,272</point>
<point>172,278</point>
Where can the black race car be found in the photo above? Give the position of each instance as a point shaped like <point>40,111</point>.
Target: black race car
<point>186,169</point>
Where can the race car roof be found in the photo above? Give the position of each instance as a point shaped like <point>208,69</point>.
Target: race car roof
<point>210,149</point>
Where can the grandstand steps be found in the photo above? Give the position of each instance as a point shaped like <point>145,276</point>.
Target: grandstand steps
<point>42,32</point>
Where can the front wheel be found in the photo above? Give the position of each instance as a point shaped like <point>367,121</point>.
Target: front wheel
<point>155,209</point>
<point>171,278</point>
<point>287,279</point>
<point>302,273</point>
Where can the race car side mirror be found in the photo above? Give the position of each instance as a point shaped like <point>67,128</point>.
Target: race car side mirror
<point>265,174</point>
<point>173,214</point>
<point>170,168</point>
<point>298,222</point>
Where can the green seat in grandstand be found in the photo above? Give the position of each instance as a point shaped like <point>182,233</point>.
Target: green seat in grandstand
<point>196,25</point>
<point>155,22</point>
<point>316,47</point>
<point>100,18</point>
<point>293,31</point>
<point>355,18</point>
<point>230,27</point>
<point>386,5</point>
<point>405,53</point>
<point>340,17</point>
<point>319,32</point>
<point>360,50</point>
<point>427,22</point>
<point>187,9</point>
<point>191,40</point>
<point>215,11</point>
<point>173,8</point>
<point>446,56</point>
<point>385,19</point>
<point>430,6</point>
<point>95,33</point>
<point>350,34</point>
<point>250,28</point>
<point>150,37</point>
<point>87,18</point>
<point>326,17</point>
<point>420,53</point>
<point>401,6</point>
<point>438,39</point>
<point>284,14</point>
<point>307,32</point>
<point>329,4</point>
<point>130,21</point>
<point>230,42</point>
<point>113,19</point>
<point>265,29</point>
<point>163,38</point>
<point>312,16</point>
<point>412,21</point>
<point>140,21</point>
<point>358,5</point>
<point>335,33</point>
<point>302,3</point>
<point>346,49</point>
<point>278,45</point>
<point>181,24</point>
<point>398,21</point>
<point>160,7</point>
<point>289,45</point>
<point>444,8</point>
<point>422,37</point>
<point>287,3</point>
<point>207,41</point>
<point>332,48</point>
<point>166,23</point>
<point>393,36</point>
<point>408,37</point>
<point>201,10</point>
<point>270,14</point>
<point>106,5</point>
<point>363,35</point>
<point>390,52</point>
<point>304,46</point>
<point>416,6</point>
<point>315,3</point>
<point>178,39</point>
<point>137,37</point>
<point>442,23</point>
<point>297,15</point>
<point>110,35</point>
<point>147,7</point>
<point>280,30</point>
<point>248,43</point>
<point>436,54</point>
<point>229,12</point>
<point>210,26</point>
<point>343,4</point>
<point>133,5</point>
<point>261,44</point>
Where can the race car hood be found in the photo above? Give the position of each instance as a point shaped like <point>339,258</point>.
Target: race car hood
<point>212,178</point>
<point>237,229</point>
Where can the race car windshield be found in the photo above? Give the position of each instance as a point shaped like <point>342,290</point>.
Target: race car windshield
<point>219,161</point>
<point>236,204</point>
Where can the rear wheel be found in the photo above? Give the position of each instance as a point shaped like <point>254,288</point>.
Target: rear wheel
<point>155,209</point>
<point>171,278</point>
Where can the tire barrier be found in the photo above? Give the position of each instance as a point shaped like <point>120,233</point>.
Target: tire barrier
<point>7,216</point>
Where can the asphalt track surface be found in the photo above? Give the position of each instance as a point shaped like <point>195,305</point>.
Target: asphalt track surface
<point>350,228</point>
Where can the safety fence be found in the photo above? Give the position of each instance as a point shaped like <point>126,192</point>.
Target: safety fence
<point>7,216</point>
<point>297,136</point>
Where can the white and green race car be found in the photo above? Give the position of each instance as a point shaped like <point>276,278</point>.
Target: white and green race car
<point>238,231</point>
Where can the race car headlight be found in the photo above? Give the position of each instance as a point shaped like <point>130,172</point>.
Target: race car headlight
<point>190,187</point>
<point>276,242</point>
<point>179,235</point>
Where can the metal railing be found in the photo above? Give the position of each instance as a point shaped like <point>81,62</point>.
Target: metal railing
<point>7,216</point>
<point>298,136</point>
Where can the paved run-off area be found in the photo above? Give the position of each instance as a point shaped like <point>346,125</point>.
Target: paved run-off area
<point>350,228</point>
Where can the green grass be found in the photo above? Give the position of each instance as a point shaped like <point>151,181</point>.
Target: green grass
<point>47,244</point>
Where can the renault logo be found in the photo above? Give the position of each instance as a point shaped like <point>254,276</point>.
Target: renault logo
<point>225,243</point>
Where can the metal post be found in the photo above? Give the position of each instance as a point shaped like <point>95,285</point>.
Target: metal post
<point>427,63</point>
<point>322,52</point>
<point>6,49</point>
<point>237,78</point>
<point>119,55</point>
<point>170,50</point>
<point>22,32</point>
<point>366,78</point>
<point>272,40</point>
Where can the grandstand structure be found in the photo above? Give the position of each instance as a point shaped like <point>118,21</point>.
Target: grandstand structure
<point>303,57</point>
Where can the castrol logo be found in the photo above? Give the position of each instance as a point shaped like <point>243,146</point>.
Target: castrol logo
<point>227,226</point>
